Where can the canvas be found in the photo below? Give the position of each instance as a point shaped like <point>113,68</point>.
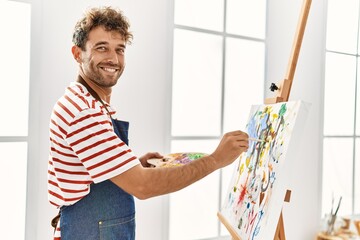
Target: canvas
<point>253,203</point>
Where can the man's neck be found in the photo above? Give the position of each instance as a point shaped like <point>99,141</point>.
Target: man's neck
<point>103,93</point>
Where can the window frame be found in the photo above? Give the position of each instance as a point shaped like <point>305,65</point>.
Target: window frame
<point>353,136</point>
<point>27,138</point>
<point>171,137</point>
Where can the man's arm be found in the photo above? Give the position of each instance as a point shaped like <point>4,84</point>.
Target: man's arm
<point>144,183</point>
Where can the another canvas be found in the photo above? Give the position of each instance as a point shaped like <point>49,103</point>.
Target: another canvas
<point>253,203</point>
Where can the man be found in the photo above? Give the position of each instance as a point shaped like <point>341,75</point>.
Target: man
<point>93,174</point>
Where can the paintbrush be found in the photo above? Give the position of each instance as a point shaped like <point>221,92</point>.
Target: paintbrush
<point>332,218</point>
<point>256,139</point>
<point>338,206</point>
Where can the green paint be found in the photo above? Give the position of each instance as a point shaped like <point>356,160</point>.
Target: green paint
<point>282,110</point>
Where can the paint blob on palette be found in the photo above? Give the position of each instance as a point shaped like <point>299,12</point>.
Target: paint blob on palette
<point>175,159</point>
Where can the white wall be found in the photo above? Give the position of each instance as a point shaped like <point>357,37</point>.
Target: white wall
<point>142,97</point>
<point>302,214</point>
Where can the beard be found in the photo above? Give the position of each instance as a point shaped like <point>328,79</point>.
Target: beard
<point>98,75</point>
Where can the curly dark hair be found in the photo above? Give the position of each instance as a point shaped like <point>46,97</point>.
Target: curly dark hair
<point>110,18</point>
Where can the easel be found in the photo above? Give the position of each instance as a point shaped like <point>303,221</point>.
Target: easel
<point>285,86</point>
<point>282,96</point>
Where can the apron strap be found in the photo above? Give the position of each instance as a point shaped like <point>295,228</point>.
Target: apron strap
<point>92,92</point>
<point>55,220</point>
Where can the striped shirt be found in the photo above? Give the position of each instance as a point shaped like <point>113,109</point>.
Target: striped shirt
<point>84,148</point>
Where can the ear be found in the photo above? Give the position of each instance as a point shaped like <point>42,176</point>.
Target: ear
<point>76,51</point>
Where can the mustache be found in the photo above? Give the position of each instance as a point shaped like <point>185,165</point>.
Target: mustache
<point>113,65</point>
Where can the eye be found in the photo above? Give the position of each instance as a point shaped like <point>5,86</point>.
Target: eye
<point>101,48</point>
<point>120,50</point>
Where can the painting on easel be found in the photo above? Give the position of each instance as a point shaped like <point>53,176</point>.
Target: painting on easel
<point>252,200</point>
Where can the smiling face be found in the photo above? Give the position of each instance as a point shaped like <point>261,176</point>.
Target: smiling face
<point>103,59</point>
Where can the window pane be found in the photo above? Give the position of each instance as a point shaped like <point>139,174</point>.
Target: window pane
<point>204,146</point>
<point>14,68</point>
<point>339,94</point>
<point>357,178</point>
<point>246,18</point>
<point>207,14</point>
<point>244,83</point>
<point>13,183</point>
<point>197,71</point>
<point>337,173</point>
<point>342,25</point>
<point>193,210</point>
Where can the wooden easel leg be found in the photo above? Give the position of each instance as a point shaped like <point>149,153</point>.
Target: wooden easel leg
<point>280,232</point>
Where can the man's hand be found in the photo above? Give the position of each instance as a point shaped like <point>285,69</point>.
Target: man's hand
<point>230,147</point>
<point>144,158</point>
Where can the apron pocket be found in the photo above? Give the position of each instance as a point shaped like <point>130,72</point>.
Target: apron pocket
<point>120,228</point>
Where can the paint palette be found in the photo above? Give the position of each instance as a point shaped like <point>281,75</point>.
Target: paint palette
<point>175,159</point>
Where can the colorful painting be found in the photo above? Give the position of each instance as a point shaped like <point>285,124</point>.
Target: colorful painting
<point>176,159</point>
<point>252,198</point>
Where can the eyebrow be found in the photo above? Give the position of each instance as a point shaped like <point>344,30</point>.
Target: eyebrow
<point>106,43</point>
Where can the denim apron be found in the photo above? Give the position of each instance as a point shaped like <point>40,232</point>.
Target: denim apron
<point>106,213</point>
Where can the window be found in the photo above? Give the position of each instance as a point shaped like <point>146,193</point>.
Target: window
<point>14,101</point>
<point>218,55</point>
<point>341,146</point>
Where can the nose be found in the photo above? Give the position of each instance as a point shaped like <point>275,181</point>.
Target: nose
<point>112,57</point>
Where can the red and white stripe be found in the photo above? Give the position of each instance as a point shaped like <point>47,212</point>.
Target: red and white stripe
<point>83,147</point>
